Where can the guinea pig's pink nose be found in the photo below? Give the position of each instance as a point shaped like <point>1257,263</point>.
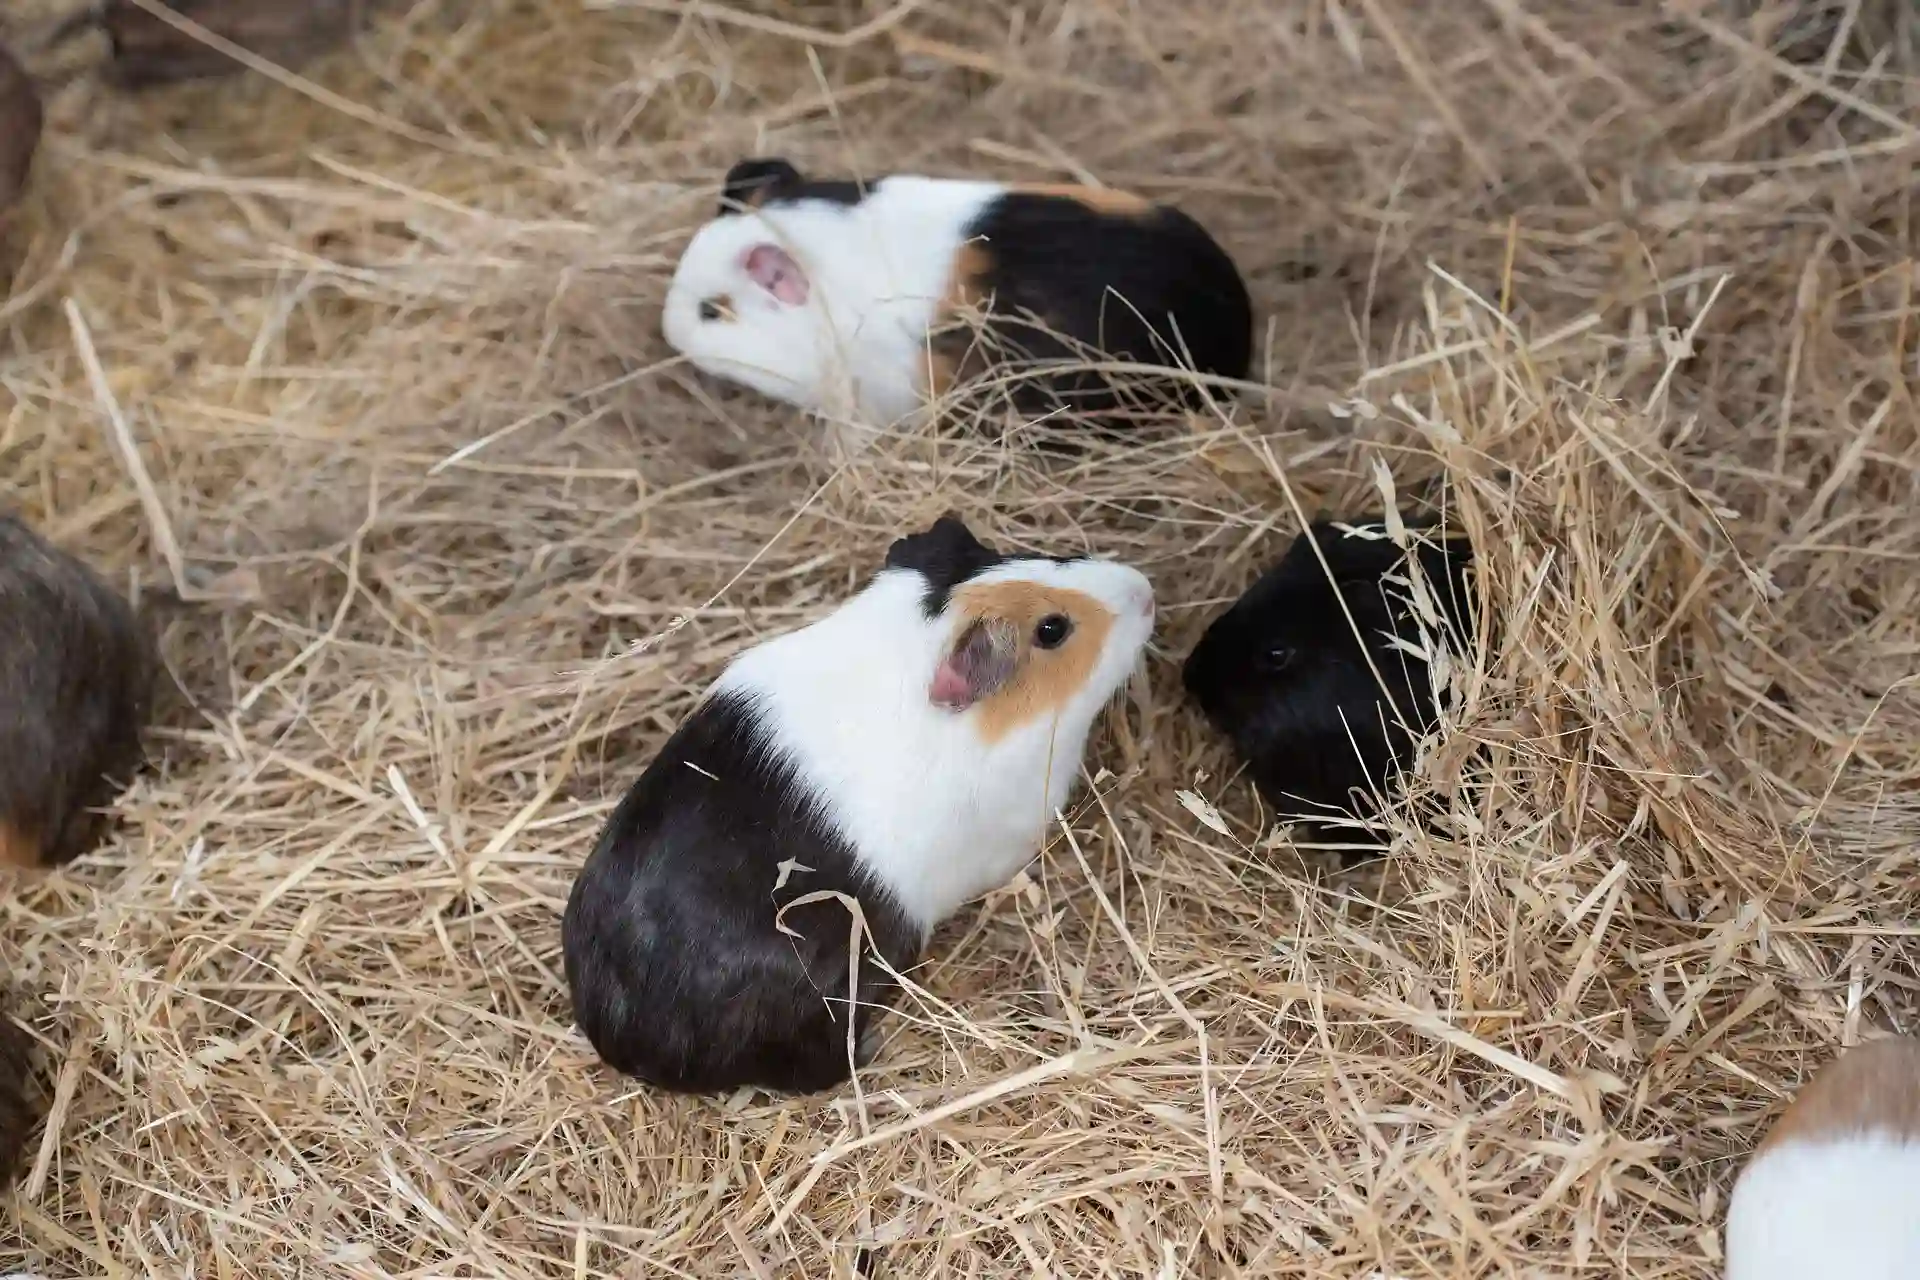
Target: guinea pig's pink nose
<point>1143,601</point>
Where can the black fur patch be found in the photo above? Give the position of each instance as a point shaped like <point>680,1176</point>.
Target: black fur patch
<point>679,976</point>
<point>77,675</point>
<point>1150,287</point>
<point>765,180</point>
<point>1282,674</point>
<point>946,555</point>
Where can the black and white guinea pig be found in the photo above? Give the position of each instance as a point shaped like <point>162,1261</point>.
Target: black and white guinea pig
<point>1831,1190</point>
<point>856,301</point>
<point>1284,675</point>
<point>908,750</point>
<point>77,673</point>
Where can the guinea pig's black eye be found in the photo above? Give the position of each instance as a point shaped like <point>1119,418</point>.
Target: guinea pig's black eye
<point>709,309</point>
<point>1279,659</point>
<point>1052,631</point>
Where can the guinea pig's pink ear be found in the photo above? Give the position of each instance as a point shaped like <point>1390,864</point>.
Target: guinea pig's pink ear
<point>773,269</point>
<point>982,661</point>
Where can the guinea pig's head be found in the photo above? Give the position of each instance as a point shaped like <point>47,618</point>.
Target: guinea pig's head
<point>1284,674</point>
<point>1024,640</point>
<point>741,304</point>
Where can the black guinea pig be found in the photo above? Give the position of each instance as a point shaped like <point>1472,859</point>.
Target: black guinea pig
<point>1283,674</point>
<point>907,751</point>
<point>859,301</point>
<point>77,673</point>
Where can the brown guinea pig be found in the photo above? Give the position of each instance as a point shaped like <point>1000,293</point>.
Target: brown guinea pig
<point>18,1109</point>
<point>148,50</point>
<point>77,672</point>
<point>20,121</point>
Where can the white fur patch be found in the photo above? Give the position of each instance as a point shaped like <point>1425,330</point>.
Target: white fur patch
<point>1833,1209</point>
<point>935,815</point>
<point>857,349</point>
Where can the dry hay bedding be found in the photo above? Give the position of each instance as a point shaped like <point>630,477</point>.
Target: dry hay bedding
<point>385,339</point>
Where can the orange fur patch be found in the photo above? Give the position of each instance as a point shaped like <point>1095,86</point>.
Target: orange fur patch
<point>1873,1086</point>
<point>19,849</point>
<point>1044,680</point>
<point>954,351</point>
<point>966,286</point>
<point>1104,200</point>
<point>943,369</point>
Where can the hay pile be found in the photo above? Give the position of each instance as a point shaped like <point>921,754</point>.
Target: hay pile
<point>1631,283</point>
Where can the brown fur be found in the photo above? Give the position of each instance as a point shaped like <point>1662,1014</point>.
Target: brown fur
<point>147,50</point>
<point>954,352</point>
<point>1872,1087</point>
<point>20,119</point>
<point>19,849</point>
<point>1043,680</point>
<point>18,1109</point>
<point>1103,200</point>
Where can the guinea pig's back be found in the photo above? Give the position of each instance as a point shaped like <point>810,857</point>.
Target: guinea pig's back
<point>679,976</point>
<point>76,676</point>
<point>1831,1191</point>
<point>1111,270</point>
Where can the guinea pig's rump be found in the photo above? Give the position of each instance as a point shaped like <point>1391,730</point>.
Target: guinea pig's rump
<point>1080,279</point>
<point>1088,304</point>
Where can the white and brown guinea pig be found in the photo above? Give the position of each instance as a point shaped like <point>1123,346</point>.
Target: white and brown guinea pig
<point>855,300</point>
<point>1833,1191</point>
<point>908,750</point>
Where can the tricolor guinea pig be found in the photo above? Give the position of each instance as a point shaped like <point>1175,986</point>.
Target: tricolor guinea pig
<point>908,750</point>
<point>860,301</point>
<point>1833,1191</point>
<point>77,674</point>
<point>1325,711</point>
